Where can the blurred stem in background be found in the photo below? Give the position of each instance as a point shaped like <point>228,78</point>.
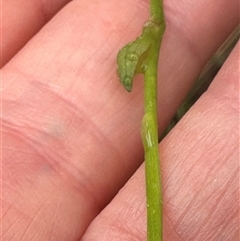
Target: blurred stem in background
<point>205,78</point>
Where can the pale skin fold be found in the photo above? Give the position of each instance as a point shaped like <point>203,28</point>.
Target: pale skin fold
<point>70,132</point>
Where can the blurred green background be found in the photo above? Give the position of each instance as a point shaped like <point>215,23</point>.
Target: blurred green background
<point>205,78</point>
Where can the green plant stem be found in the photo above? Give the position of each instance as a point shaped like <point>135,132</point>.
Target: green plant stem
<point>141,56</point>
<point>156,11</point>
<point>150,141</point>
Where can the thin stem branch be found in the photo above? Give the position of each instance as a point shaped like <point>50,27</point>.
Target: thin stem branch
<point>156,11</point>
<point>141,56</point>
<point>150,140</point>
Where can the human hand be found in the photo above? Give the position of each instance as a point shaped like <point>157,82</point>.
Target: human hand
<point>71,136</point>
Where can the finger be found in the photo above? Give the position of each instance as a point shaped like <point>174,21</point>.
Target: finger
<point>62,91</point>
<point>194,32</point>
<point>200,172</point>
<point>69,141</point>
<point>21,20</point>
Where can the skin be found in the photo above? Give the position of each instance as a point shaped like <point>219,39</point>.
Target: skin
<point>15,15</point>
<point>64,159</point>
